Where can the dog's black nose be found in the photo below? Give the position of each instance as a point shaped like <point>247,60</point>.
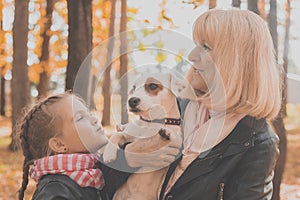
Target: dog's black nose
<point>133,102</point>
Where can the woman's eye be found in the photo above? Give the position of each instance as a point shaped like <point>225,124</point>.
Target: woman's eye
<point>205,47</point>
<point>153,86</point>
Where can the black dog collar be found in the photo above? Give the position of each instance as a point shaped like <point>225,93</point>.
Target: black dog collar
<point>168,121</point>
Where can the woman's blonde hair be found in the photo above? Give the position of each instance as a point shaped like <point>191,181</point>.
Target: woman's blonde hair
<point>243,53</point>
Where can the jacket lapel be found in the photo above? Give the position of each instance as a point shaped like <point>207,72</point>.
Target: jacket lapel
<point>208,161</point>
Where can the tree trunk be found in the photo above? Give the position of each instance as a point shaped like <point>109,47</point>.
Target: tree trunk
<point>252,5</point>
<point>43,86</point>
<point>78,75</point>
<point>93,89</point>
<point>212,4</point>
<point>20,83</point>
<point>272,21</point>
<point>2,99</point>
<point>279,123</point>
<point>286,55</point>
<point>123,62</point>
<point>2,80</point>
<point>236,3</point>
<point>107,82</point>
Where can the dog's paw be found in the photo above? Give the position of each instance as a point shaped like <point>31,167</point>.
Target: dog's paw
<point>120,127</point>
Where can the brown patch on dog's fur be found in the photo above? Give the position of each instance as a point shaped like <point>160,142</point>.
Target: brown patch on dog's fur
<point>153,81</point>
<point>163,133</point>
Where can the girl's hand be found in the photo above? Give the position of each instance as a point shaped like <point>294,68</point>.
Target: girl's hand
<point>144,152</point>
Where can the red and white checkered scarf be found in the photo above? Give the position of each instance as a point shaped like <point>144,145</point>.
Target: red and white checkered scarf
<point>79,167</point>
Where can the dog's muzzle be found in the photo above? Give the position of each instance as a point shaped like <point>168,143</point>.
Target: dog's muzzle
<point>133,102</point>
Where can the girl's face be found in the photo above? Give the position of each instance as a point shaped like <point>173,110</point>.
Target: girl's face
<point>202,63</point>
<point>81,130</point>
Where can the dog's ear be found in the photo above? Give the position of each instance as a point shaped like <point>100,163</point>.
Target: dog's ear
<point>181,88</point>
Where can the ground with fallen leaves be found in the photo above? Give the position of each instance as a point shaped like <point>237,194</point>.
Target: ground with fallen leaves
<point>11,165</point>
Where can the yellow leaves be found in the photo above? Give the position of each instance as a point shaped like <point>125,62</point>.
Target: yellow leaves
<point>132,10</point>
<point>61,8</point>
<point>11,166</point>
<point>130,18</point>
<point>1,8</point>
<point>106,7</point>
<point>100,21</point>
<point>2,61</point>
<point>161,57</point>
<point>159,27</point>
<point>141,46</point>
<point>178,57</point>
<point>146,32</point>
<point>196,3</point>
<point>34,72</point>
<point>61,64</point>
<point>165,17</point>
<point>199,1</point>
<point>159,44</point>
<point>43,13</point>
<point>37,50</point>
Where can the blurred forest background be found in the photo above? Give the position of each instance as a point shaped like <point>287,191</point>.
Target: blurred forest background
<point>44,42</point>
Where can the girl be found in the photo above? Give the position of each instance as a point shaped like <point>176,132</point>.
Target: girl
<point>57,136</point>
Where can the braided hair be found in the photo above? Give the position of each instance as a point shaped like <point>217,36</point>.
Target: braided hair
<point>35,129</point>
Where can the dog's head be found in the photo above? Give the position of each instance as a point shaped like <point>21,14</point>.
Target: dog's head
<point>155,95</point>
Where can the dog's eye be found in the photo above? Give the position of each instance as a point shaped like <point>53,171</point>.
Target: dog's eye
<point>153,86</point>
<point>133,87</point>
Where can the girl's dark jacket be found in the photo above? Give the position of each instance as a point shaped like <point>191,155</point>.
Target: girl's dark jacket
<point>241,167</point>
<point>61,187</point>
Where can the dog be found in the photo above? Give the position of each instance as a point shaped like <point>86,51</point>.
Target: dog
<point>153,99</point>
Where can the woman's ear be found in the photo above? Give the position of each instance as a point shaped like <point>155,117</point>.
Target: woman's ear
<point>57,145</point>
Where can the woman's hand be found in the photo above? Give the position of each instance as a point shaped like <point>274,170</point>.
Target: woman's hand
<point>150,155</point>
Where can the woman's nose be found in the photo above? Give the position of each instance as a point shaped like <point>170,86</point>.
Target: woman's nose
<point>194,55</point>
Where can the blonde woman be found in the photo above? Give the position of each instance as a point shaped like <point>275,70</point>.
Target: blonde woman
<point>229,150</point>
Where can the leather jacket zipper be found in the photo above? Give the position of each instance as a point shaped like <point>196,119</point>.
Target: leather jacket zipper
<point>221,191</point>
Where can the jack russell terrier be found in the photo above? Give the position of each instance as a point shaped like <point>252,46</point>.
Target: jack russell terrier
<point>153,99</point>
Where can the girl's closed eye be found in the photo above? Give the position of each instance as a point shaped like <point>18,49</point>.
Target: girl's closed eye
<point>78,117</point>
<point>81,115</point>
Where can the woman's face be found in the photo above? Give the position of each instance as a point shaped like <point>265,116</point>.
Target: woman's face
<point>201,65</point>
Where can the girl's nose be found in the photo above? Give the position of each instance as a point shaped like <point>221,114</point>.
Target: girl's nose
<point>94,119</point>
